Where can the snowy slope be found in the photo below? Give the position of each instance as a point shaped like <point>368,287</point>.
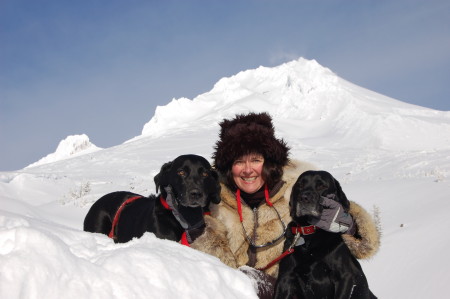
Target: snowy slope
<point>389,156</point>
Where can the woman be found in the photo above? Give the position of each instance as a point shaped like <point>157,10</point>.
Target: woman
<point>247,227</point>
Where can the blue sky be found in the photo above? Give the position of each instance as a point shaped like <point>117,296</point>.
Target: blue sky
<point>101,67</point>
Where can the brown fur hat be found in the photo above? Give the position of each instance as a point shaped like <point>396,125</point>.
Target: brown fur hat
<point>245,134</point>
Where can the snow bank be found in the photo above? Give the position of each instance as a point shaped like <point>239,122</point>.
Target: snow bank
<point>46,260</point>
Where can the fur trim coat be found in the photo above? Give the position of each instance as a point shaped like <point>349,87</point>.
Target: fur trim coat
<point>225,239</point>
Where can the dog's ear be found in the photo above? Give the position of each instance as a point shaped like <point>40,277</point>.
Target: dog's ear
<point>214,196</point>
<point>341,196</point>
<point>162,178</point>
<point>292,201</point>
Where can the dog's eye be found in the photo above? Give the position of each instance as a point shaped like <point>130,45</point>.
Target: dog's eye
<point>181,173</point>
<point>205,174</point>
<point>320,185</point>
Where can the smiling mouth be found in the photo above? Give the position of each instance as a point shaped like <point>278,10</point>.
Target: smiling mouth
<point>249,179</point>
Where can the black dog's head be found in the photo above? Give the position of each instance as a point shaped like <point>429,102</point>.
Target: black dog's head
<point>308,191</point>
<point>194,183</point>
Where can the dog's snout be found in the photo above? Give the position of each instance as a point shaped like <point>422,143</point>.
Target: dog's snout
<point>195,194</point>
<point>307,197</point>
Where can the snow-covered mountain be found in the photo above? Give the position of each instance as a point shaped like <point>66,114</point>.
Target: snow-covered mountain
<point>71,146</point>
<point>319,102</point>
<point>391,157</point>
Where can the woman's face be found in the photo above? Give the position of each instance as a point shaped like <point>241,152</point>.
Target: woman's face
<point>247,172</point>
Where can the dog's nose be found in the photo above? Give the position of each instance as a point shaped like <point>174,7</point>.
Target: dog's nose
<point>195,194</point>
<point>306,197</point>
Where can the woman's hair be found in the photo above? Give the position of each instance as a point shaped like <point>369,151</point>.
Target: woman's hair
<point>250,133</point>
<point>271,173</point>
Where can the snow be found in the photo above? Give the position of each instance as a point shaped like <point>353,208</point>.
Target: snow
<point>320,102</point>
<point>72,146</point>
<point>389,156</point>
<point>59,262</point>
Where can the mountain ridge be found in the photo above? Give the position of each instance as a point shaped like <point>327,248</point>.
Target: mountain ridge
<point>312,98</point>
<point>304,91</point>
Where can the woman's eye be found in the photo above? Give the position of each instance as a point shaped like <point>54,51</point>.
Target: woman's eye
<point>181,173</point>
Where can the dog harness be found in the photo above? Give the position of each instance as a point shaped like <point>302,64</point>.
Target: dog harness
<point>112,234</point>
<point>130,200</point>
<point>298,240</point>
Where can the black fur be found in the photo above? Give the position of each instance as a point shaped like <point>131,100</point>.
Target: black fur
<point>323,267</point>
<point>194,184</point>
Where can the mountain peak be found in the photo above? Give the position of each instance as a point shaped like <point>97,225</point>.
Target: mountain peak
<point>71,146</point>
<point>302,74</point>
<point>274,89</point>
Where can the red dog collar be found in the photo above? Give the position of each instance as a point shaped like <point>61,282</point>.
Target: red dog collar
<point>164,203</point>
<point>303,230</point>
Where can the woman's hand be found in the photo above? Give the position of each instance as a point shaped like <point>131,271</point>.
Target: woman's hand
<point>334,219</point>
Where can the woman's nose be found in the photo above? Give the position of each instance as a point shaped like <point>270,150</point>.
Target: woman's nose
<point>247,167</point>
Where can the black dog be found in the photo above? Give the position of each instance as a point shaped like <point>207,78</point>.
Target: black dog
<point>194,184</point>
<point>321,265</point>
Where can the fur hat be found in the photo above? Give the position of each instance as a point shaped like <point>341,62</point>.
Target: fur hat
<point>245,134</point>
